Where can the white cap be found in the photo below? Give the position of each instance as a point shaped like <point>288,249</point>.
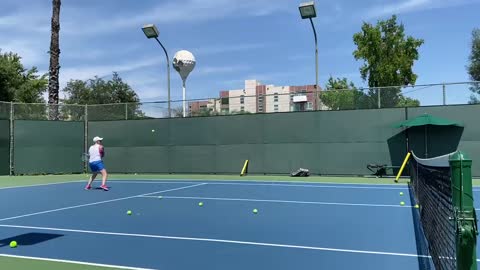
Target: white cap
<point>96,139</point>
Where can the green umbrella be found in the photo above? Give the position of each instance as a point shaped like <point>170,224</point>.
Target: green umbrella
<point>426,120</point>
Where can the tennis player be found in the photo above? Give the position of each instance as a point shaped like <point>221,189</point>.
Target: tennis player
<point>96,154</point>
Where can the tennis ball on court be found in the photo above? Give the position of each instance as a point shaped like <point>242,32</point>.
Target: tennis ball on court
<point>417,206</point>
<point>200,204</point>
<point>402,203</point>
<point>401,193</point>
<point>160,197</point>
<point>129,212</point>
<point>13,244</point>
<point>255,211</point>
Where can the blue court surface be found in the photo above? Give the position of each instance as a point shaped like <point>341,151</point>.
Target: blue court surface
<point>298,225</point>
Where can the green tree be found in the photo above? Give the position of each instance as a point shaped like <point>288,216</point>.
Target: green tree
<point>342,95</point>
<point>474,66</point>
<point>21,85</point>
<point>110,99</point>
<point>388,56</point>
<point>408,102</point>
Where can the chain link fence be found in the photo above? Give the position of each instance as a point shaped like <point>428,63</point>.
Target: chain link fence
<point>279,99</point>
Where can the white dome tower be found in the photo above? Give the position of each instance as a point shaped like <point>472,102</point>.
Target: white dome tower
<point>184,62</point>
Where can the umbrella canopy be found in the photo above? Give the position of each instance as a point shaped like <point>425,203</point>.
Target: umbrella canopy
<point>425,120</point>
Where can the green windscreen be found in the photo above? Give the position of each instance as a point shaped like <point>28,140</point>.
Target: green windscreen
<point>48,147</point>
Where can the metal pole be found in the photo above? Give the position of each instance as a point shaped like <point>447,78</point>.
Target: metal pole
<point>11,139</point>
<point>317,99</point>
<point>126,111</point>
<point>184,103</point>
<point>379,100</point>
<point>444,95</point>
<point>85,139</point>
<point>168,78</point>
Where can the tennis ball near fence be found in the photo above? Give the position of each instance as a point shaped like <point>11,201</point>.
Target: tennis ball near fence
<point>255,211</point>
<point>417,206</point>
<point>129,212</point>
<point>200,204</point>
<point>401,193</point>
<point>402,203</point>
<point>13,244</point>
<point>153,130</point>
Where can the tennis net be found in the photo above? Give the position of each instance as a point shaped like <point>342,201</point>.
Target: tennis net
<point>431,186</point>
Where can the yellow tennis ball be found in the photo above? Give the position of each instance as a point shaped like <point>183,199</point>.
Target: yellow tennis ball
<point>129,212</point>
<point>13,244</point>
<point>153,130</point>
<point>417,206</point>
<point>200,204</point>
<point>401,193</point>
<point>402,203</point>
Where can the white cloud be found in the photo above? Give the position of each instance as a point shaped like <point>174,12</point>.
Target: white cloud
<point>226,48</point>
<point>177,12</point>
<point>88,72</point>
<point>409,6</point>
<point>31,53</point>
<point>221,69</point>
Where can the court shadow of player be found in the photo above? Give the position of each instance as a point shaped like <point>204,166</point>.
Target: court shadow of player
<point>29,239</point>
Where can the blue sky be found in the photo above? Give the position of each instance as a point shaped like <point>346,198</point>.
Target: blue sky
<point>234,40</point>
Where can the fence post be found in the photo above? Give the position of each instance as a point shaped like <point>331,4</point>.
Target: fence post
<point>85,138</point>
<point>126,111</point>
<point>379,98</point>
<point>444,95</point>
<point>11,140</point>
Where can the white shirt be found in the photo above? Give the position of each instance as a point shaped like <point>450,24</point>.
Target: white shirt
<point>94,153</point>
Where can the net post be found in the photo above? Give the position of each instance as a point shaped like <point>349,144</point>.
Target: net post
<point>465,216</point>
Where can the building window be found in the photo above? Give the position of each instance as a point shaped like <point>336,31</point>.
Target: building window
<point>224,101</point>
<point>275,108</point>
<point>242,99</point>
<point>242,109</point>
<point>309,106</point>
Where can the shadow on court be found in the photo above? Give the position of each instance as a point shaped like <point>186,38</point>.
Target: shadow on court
<point>30,239</point>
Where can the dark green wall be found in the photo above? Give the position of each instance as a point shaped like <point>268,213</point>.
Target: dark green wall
<point>325,142</point>
<point>48,147</point>
<point>4,147</point>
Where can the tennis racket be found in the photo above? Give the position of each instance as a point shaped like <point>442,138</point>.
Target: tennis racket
<point>85,157</point>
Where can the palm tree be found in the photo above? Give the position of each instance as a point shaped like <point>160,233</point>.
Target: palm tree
<point>53,85</point>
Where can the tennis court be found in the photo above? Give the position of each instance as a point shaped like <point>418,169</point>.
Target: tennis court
<point>298,225</point>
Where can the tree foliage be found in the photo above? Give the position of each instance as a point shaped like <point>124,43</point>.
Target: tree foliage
<point>21,85</point>
<point>119,100</point>
<point>474,66</point>
<point>388,56</point>
<point>342,95</point>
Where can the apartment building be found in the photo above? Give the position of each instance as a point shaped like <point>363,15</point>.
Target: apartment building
<point>256,97</point>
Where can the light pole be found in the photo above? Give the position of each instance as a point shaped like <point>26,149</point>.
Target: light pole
<point>151,31</point>
<point>308,11</point>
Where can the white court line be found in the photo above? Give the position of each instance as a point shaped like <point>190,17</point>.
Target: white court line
<point>277,201</point>
<point>213,182</point>
<point>39,185</point>
<point>74,262</point>
<point>261,181</point>
<point>219,241</point>
<point>101,202</point>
